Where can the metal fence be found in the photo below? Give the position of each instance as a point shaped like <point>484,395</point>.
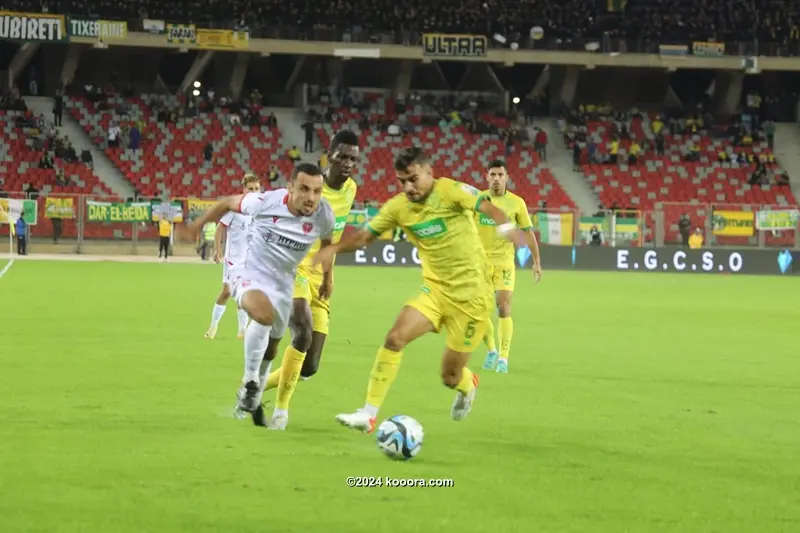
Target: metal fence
<point>68,219</point>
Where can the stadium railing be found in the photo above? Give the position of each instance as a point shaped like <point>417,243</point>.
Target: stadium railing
<point>128,225</point>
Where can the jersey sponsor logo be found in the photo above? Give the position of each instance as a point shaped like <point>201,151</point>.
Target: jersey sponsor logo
<point>470,189</point>
<point>275,218</point>
<point>340,224</point>
<point>284,242</point>
<point>486,221</point>
<point>307,227</point>
<point>429,228</point>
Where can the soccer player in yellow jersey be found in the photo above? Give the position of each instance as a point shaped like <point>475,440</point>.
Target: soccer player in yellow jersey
<point>501,261</point>
<point>310,311</point>
<point>437,216</point>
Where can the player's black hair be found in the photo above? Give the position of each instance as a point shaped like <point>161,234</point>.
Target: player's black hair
<point>343,137</point>
<point>497,163</point>
<point>306,168</point>
<point>409,156</point>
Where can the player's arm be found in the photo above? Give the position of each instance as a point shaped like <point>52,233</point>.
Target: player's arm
<point>505,228</point>
<point>219,237</point>
<point>525,223</point>
<point>384,221</point>
<point>218,210</point>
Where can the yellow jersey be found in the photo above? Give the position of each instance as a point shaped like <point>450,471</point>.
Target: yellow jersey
<point>498,249</point>
<point>443,230</point>
<point>341,201</point>
<point>164,228</point>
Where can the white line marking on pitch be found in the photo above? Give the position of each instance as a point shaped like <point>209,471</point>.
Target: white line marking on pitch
<point>6,268</point>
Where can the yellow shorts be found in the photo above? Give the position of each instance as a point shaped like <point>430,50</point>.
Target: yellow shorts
<point>465,322</point>
<point>306,287</point>
<point>501,276</point>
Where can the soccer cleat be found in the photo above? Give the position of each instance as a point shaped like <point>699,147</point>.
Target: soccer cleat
<point>248,398</point>
<point>491,361</point>
<point>278,422</point>
<point>259,419</point>
<point>211,333</point>
<point>359,420</point>
<point>502,366</point>
<point>462,405</point>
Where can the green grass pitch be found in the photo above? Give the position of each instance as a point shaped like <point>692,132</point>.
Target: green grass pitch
<point>635,403</point>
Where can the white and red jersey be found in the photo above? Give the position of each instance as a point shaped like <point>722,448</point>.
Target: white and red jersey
<point>278,241</point>
<point>236,238</point>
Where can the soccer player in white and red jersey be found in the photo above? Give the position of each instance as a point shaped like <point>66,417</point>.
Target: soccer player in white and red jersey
<point>232,229</point>
<point>285,225</point>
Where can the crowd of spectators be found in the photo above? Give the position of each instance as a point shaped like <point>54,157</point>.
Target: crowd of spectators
<point>681,21</point>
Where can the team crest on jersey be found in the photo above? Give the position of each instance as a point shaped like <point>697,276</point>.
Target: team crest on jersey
<point>307,227</point>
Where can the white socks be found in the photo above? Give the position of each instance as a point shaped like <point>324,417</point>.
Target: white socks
<point>216,314</point>
<point>256,340</point>
<point>241,314</point>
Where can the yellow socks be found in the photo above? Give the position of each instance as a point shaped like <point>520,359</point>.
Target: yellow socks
<point>289,374</point>
<point>468,381</point>
<point>488,339</point>
<point>272,380</point>
<point>387,363</point>
<point>505,328</point>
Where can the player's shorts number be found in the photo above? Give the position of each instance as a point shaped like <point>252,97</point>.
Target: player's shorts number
<point>507,276</point>
<point>469,332</point>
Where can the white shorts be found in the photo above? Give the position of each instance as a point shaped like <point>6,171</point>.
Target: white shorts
<point>280,296</point>
<point>227,266</point>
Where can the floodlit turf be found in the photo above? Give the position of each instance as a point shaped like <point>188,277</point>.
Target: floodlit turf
<point>635,403</point>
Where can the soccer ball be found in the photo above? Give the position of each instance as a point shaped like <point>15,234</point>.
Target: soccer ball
<point>400,437</point>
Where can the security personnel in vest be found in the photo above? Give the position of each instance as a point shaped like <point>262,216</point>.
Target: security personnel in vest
<point>209,230</point>
<point>164,233</point>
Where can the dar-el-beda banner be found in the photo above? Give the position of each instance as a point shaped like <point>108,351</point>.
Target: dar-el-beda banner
<point>33,27</point>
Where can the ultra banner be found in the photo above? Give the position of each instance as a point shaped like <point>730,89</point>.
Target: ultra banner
<point>38,27</point>
<point>604,258</point>
<point>55,207</point>
<point>181,34</point>
<point>107,30</point>
<point>776,220</point>
<point>733,223</point>
<point>12,208</point>
<point>118,212</point>
<point>222,39</point>
<point>454,45</point>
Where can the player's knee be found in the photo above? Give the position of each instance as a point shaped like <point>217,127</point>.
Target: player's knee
<point>504,309</point>
<point>261,314</point>
<point>301,337</point>
<point>451,377</point>
<point>395,340</point>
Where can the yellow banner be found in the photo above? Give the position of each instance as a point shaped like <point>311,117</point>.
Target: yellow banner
<point>733,223</point>
<point>59,207</point>
<point>196,207</point>
<point>707,49</point>
<point>223,39</point>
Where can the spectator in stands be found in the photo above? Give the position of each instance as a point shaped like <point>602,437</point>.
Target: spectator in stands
<point>540,143</point>
<point>696,239</point>
<point>273,176</point>
<point>294,154</point>
<point>58,108</point>
<point>576,156</point>
<point>595,236</point>
<point>135,136</point>
<point>684,228</point>
<point>613,151</point>
<point>693,154</point>
<point>308,130</point>
<point>272,120</point>
<point>208,152</point>
<point>634,151</point>
<point>46,161</point>
<point>782,178</point>
<point>31,192</point>
<point>61,178</point>
<point>769,131</point>
<point>659,141</point>
<point>114,133</point>
<point>21,229</point>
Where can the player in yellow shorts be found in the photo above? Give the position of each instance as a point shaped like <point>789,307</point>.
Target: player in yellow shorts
<point>501,261</point>
<point>311,308</point>
<point>437,216</point>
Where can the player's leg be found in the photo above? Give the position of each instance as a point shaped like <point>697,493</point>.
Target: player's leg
<point>464,324</point>
<point>258,417</point>
<point>505,326</point>
<point>320,318</point>
<point>492,355</point>
<point>302,291</point>
<point>218,311</point>
<point>289,372</point>
<point>259,308</point>
<point>418,317</point>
